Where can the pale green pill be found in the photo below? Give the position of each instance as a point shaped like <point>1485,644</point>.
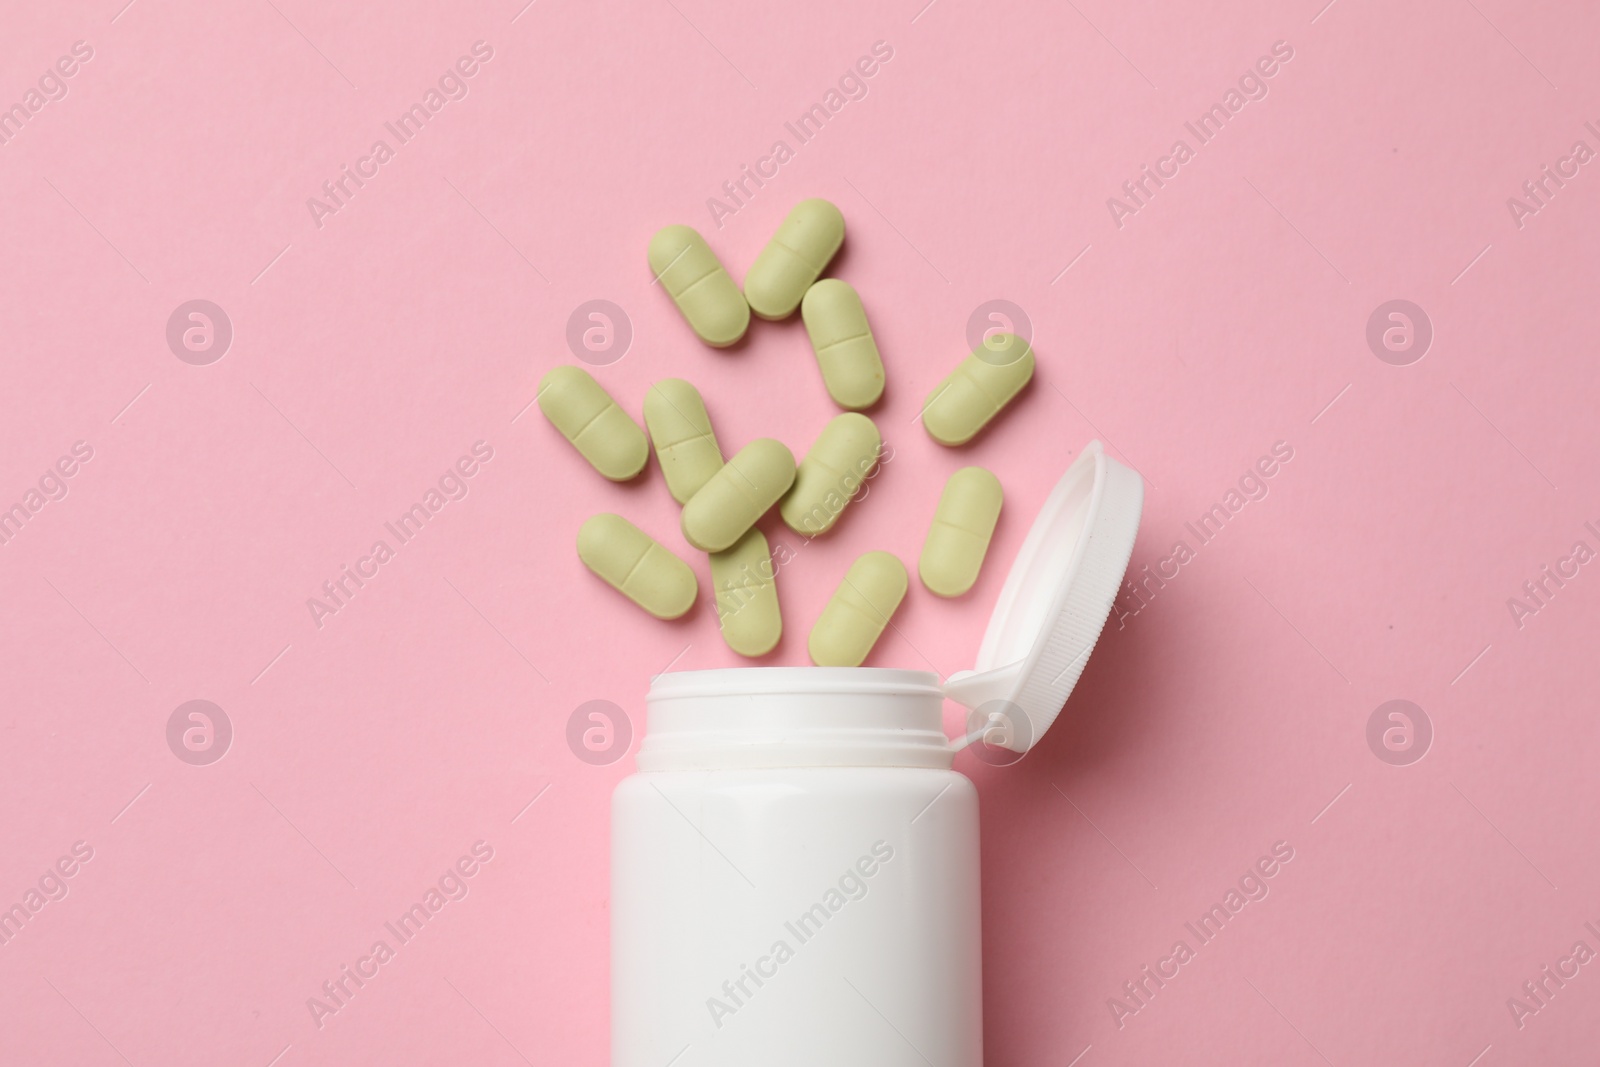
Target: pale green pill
<point>737,495</point>
<point>744,580</point>
<point>978,389</point>
<point>637,565</point>
<point>587,416</point>
<point>959,537</point>
<point>693,276</point>
<point>846,353</point>
<point>793,259</point>
<point>854,619</point>
<point>681,431</point>
<point>837,465</point>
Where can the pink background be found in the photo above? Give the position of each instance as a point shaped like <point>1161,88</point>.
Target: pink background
<point>1228,314</point>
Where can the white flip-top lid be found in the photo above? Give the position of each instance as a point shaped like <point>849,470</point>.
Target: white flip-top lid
<point>1054,603</point>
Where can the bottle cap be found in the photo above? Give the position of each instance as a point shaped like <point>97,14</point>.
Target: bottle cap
<point>1054,603</point>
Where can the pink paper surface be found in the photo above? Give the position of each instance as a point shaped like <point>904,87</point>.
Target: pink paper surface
<point>1194,329</point>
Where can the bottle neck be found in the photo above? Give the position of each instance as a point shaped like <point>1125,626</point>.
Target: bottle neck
<point>752,717</point>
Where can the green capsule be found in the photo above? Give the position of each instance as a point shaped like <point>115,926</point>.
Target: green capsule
<point>681,431</point>
<point>854,618</point>
<point>738,495</point>
<point>833,471</point>
<point>637,566</point>
<point>744,580</point>
<point>976,391</point>
<point>799,252</point>
<point>587,416</point>
<point>846,353</point>
<point>959,537</point>
<point>693,276</point>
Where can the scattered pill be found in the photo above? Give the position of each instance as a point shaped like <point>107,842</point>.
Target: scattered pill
<point>587,416</point>
<point>747,595</point>
<point>693,276</point>
<point>848,356</point>
<point>799,252</point>
<point>959,535</point>
<point>854,618</point>
<point>737,495</point>
<point>835,468</point>
<point>637,566</point>
<point>978,389</point>
<point>681,431</point>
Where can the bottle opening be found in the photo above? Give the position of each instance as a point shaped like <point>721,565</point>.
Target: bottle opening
<point>743,717</point>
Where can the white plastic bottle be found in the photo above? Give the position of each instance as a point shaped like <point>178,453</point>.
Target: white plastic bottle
<point>795,865</point>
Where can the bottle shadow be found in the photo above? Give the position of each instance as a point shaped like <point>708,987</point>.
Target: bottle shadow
<point>1037,901</point>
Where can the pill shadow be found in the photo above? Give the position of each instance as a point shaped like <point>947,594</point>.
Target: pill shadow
<point>744,343</point>
<point>839,265</point>
<point>771,328</point>
<point>647,479</point>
